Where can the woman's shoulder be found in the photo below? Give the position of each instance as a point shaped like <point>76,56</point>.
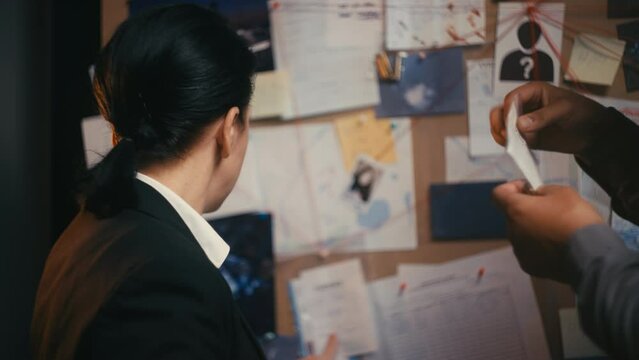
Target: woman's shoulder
<point>131,244</point>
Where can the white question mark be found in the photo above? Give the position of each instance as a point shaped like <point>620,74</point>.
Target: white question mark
<point>528,63</point>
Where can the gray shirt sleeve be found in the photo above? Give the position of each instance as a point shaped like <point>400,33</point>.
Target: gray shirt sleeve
<point>605,276</point>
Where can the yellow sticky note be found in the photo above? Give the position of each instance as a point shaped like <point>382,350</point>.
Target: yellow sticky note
<point>595,59</point>
<point>363,134</point>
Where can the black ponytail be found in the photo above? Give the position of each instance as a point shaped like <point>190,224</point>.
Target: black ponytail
<point>109,185</point>
<point>165,75</point>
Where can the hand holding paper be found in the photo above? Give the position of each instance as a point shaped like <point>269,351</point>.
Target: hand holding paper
<point>556,119</point>
<point>518,149</point>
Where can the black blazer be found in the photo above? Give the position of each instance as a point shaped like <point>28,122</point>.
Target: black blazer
<point>136,286</point>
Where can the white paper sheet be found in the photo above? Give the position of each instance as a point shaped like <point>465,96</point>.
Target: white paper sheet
<point>383,296</point>
<point>517,148</point>
<point>354,23</point>
<point>333,299</point>
<point>272,96</point>
<point>323,78</point>
<point>97,138</point>
<point>515,62</point>
<point>454,313</point>
<point>299,177</point>
<point>460,167</point>
<point>595,59</point>
<point>425,24</point>
<point>480,103</point>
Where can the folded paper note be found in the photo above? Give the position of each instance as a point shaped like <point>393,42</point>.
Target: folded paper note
<point>518,149</point>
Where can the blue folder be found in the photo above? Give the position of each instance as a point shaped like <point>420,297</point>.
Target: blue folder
<point>465,211</point>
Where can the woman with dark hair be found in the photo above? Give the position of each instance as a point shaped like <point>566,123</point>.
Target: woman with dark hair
<point>136,274</point>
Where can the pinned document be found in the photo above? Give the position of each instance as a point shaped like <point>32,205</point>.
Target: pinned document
<point>426,24</point>
<point>595,59</point>
<point>97,136</point>
<point>447,313</point>
<point>362,134</point>
<point>480,103</point>
<point>333,299</point>
<point>518,149</point>
<point>272,96</point>
<point>528,44</point>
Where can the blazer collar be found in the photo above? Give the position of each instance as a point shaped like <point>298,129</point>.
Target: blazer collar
<point>152,203</point>
<point>215,248</point>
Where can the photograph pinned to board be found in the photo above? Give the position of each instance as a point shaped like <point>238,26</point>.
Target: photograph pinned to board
<point>250,18</point>
<point>431,83</point>
<point>248,269</point>
<point>629,32</point>
<point>430,24</point>
<point>528,46</point>
<point>594,59</point>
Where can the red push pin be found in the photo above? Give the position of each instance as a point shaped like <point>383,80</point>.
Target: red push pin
<point>402,288</point>
<point>480,273</point>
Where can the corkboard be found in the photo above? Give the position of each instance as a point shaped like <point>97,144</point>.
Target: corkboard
<point>429,166</point>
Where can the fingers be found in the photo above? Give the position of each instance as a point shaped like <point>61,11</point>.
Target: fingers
<point>498,125</point>
<point>531,96</point>
<point>554,190</point>
<point>330,350</point>
<point>545,116</point>
<point>506,193</point>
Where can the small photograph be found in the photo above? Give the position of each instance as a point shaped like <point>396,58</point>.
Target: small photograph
<point>527,45</point>
<point>523,64</point>
<point>366,175</point>
<point>249,17</point>
<point>429,83</point>
<point>248,269</point>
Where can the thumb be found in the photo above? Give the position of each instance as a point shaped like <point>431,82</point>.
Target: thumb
<point>505,194</point>
<point>552,190</point>
<point>330,350</point>
<point>543,117</point>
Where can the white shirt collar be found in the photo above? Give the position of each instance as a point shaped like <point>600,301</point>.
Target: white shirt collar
<point>213,245</point>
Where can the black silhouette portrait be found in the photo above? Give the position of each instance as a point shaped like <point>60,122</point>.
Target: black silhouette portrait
<point>364,178</point>
<point>527,63</point>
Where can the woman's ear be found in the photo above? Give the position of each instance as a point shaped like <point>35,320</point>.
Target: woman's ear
<point>228,132</point>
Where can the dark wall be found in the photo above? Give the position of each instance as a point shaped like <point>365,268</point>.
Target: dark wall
<point>24,173</point>
<point>76,43</point>
<point>45,50</point>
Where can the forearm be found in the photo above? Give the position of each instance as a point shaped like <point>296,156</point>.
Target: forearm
<point>605,276</point>
<point>612,161</point>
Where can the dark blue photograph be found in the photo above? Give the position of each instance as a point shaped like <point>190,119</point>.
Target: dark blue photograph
<point>248,269</point>
<point>250,18</point>
<point>429,85</point>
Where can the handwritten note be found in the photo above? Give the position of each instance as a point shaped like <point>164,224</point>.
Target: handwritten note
<point>426,24</point>
<point>354,23</point>
<point>362,134</point>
